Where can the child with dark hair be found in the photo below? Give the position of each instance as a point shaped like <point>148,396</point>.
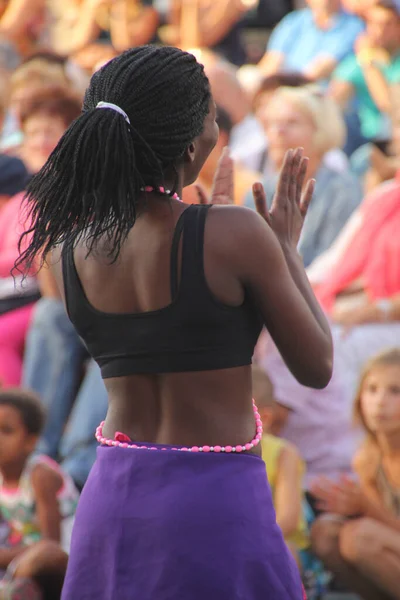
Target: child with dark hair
<point>37,499</point>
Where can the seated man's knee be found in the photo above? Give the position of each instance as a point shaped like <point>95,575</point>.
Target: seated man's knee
<point>325,537</point>
<point>358,540</point>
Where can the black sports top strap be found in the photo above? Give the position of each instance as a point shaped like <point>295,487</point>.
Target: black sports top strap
<point>174,255</point>
<point>75,298</point>
<point>68,280</point>
<point>192,223</point>
<point>193,242</point>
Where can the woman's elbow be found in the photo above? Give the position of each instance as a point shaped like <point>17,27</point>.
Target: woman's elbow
<point>319,375</point>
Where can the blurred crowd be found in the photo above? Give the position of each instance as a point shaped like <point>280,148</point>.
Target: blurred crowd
<point>319,74</point>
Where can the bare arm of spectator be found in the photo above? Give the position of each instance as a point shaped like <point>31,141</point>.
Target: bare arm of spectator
<point>271,62</point>
<point>321,68</point>
<point>342,92</point>
<point>278,46</point>
<point>378,86</point>
<point>47,283</point>
<point>288,493</point>
<point>17,15</point>
<point>126,32</point>
<point>215,19</point>
<point>368,312</point>
<point>46,484</point>
<point>78,29</point>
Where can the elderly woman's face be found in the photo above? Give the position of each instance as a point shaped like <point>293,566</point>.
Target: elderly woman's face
<point>41,135</point>
<point>287,126</point>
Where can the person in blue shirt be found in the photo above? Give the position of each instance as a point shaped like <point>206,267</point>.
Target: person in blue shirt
<point>368,74</point>
<point>312,41</point>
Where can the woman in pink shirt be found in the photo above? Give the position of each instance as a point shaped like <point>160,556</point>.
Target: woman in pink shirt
<point>44,119</point>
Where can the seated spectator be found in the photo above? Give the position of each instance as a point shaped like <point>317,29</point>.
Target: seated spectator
<point>83,29</point>
<point>16,298</point>
<point>247,139</point>
<point>21,22</point>
<point>36,574</point>
<point>304,117</point>
<point>372,163</point>
<point>243,178</point>
<point>312,41</point>
<point>13,173</point>
<point>44,119</point>
<point>334,159</point>
<point>54,363</point>
<point>28,79</point>
<point>361,288</point>
<point>324,266</point>
<point>268,86</point>
<point>318,422</point>
<point>359,537</point>
<point>38,501</point>
<point>285,468</point>
<point>78,446</point>
<point>366,75</point>
<point>214,24</point>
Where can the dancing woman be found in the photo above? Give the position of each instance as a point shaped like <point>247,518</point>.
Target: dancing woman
<point>170,300</point>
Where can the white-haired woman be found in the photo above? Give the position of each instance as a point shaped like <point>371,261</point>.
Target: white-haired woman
<point>305,117</point>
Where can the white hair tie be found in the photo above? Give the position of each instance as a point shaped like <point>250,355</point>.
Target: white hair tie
<point>117,109</point>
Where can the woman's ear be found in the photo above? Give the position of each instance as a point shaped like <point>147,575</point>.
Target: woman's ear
<point>190,153</point>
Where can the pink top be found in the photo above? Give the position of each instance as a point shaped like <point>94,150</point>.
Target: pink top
<point>13,222</point>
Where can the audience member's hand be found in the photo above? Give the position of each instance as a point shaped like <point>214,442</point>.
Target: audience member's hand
<point>344,498</point>
<point>290,205</point>
<point>223,184</point>
<point>364,45</point>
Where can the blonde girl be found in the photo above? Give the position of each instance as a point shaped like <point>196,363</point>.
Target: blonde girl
<point>358,538</point>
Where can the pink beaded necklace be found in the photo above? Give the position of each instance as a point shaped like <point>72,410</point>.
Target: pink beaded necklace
<point>161,190</point>
<point>123,441</point>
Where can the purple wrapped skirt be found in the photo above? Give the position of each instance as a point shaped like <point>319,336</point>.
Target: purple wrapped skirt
<point>171,525</point>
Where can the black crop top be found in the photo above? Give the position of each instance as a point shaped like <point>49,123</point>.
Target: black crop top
<point>195,332</point>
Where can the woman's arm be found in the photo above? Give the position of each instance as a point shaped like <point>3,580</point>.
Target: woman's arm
<point>46,484</point>
<point>266,260</point>
<point>288,493</point>
<point>217,18</point>
<point>127,33</point>
<point>72,36</point>
<point>17,16</point>
<point>214,20</point>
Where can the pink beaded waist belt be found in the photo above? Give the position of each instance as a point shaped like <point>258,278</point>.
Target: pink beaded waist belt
<point>123,441</point>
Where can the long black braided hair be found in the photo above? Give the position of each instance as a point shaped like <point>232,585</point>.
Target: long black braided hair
<point>92,180</point>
